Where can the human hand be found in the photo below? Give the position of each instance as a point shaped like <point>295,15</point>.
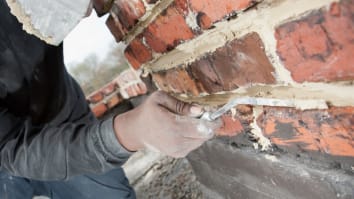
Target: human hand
<point>165,124</point>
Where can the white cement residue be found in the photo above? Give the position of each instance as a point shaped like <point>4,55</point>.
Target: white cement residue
<point>271,158</point>
<point>191,20</point>
<point>262,142</point>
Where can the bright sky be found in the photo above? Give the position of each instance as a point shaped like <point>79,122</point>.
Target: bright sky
<point>91,36</point>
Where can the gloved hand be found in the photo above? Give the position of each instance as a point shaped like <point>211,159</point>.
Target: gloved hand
<point>165,124</point>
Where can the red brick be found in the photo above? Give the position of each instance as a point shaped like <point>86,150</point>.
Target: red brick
<point>213,11</point>
<point>319,47</point>
<point>109,88</point>
<point>181,6</point>
<point>128,12</point>
<point>114,101</point>
<point>177,80</point>
<point>240,62</point>
<point>102,6</point>
<point>204,21</point>
<point>116,28</point>
<point>204,72</point>
<point>137,53</point>
<point>325,131</point>
<point>99,109</point>
<point>244,110</point>
<point>169,29</point>
<point>230,127</point>
<point>335,9</point>
<point>96,97</point>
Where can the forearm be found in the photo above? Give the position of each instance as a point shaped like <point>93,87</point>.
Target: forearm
<point>57,153</point>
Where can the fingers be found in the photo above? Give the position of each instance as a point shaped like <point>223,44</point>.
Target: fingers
<point>176,106</point>
<point>193,136</point>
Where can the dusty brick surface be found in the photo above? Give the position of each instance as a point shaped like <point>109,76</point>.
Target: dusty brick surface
<point>116,28</point>
<point>326,131</point>
<point>137,53</point>
<point>320,46</point>
<point>204,72</point>
<point>239,63</point>
<point>230,126</point>
<point>99,109</point>
<point>169,29</point>
<point>173,25</point>
<point>129,12</point>
<point>211,11</point>
<point>177,81</point>
<point>243,61</point>
<point>238,122</point>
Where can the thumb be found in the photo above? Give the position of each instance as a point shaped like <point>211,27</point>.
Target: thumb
<point>177,106</point>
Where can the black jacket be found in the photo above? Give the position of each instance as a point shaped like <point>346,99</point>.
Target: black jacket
<point>47,130</point>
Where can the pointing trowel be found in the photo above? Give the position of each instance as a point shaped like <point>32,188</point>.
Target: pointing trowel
<point>261,101</point>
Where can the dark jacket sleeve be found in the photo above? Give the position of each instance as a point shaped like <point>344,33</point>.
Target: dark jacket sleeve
<point>57,152</point>
<point>47,130</point>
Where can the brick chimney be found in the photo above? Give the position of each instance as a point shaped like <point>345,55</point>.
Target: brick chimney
<point>207,51</point>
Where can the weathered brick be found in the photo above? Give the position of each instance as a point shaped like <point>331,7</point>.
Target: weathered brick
<point>335,9</point>
<point>242,62</point>
<point>137,53</point>
<point>204,72</point>
<point>169,29</point>
<point>230,127</point>
<point>116,28</point>
<point>245,110</point>
<point>238,63</point>
<point>102,6</point>
<point>109,88</point>
<point>319,47</point>
<point>95,97</point>
<point>114,101</point>
<point>99,109</point>
<point>177,80</point>
<point>128,12</point>
<point>326,131</point>
<point>211,11</point>
<point>204,21</point>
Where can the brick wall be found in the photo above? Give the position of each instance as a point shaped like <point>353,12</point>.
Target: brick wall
<point>127,85</point>
<point>209,51</point>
